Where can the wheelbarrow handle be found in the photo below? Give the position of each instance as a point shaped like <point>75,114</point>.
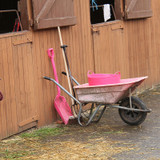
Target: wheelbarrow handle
<point>64,73</point>
<point>50,79</point>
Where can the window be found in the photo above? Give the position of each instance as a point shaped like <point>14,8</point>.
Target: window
<point>103,11</point>
<point>18,15</point>
<point>109,10</point>
<point>9,16</point>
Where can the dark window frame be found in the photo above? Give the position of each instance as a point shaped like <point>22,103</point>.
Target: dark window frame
<point>10,17</point>
<point>115,8</point>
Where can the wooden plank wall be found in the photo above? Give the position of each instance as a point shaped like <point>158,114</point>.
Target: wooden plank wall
<point>80,55</point>
<point>142,39</point>
<point>132,49</point>
<point>27,96</point>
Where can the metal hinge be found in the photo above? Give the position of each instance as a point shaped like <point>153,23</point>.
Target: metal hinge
<point>95,30</point>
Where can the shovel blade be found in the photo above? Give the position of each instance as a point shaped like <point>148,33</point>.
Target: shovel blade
<point>63,108</point>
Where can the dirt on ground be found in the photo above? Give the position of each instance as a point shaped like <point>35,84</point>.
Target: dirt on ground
<point>109,139</point>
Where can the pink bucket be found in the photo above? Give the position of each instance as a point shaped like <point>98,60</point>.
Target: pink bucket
<point>103,79</point>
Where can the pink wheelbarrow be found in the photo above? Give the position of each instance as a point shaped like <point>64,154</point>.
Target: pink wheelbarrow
<point>90,102</point>
<point>131,109</point>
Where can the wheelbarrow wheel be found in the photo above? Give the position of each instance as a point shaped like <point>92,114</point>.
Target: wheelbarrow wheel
<point>133,117</point>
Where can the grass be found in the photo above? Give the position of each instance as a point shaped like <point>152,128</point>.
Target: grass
<point>26,144</point>
<point>42,133</point>
<point>15,155</point>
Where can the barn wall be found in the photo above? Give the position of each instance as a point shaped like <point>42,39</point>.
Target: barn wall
<point>131,47</point>
<point>142,37</point>
<point>128,46</point>
<point>80,55</point>
<point>28,98</point>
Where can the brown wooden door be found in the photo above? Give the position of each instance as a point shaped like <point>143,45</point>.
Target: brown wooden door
<point>24,81</point>
<point>109,48</point>
<point>8,110</point>
<point>18,108</point>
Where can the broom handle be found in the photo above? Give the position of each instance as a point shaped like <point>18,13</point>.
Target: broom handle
<point>66,68</point>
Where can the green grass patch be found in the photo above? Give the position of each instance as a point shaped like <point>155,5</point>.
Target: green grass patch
<point>14,155</point>
<point>43,132</point>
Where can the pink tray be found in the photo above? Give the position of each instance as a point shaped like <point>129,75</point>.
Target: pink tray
<point>103,79</point>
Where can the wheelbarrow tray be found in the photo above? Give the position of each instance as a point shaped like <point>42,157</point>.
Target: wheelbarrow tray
<point>107,94</point>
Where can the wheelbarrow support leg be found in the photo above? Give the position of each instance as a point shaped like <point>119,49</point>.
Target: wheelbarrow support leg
<point>92,116</point>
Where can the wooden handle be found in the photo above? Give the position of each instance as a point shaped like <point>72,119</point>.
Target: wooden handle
<point>65,63</point>
<point>66,68</point>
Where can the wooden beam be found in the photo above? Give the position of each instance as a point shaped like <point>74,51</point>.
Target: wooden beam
<point>47,23</point>
<point>28,121</point>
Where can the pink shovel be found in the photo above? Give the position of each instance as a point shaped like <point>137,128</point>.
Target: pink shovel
<point>60,102</point>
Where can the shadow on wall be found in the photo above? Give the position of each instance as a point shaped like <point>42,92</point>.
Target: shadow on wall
<point>1,96</point>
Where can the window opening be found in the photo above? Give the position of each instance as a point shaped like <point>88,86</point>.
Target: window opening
<point>9,17</point>
<point>102,11</point>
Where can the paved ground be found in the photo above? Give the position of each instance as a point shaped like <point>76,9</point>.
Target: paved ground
<point>145,138</point>
<point>110,139</point>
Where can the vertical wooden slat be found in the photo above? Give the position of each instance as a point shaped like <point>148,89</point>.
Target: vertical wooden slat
<point>3,123</point>
<point>11,108</point>
<point>39,92</point>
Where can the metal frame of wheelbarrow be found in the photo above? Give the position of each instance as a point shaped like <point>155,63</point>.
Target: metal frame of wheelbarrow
<point>93,113</point>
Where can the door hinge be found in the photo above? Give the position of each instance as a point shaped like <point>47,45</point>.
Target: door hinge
<point>95,30</point>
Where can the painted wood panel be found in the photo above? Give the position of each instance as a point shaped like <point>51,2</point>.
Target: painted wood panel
<point>8,115</point>
<point>17,84</point>
<point>24,82</point>
<point>79,52</point>
<point>109,50</point>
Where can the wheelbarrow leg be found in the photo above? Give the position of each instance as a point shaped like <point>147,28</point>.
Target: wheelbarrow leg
<point>92,115</point>
<point>100,116</point>
<point>91,110</point>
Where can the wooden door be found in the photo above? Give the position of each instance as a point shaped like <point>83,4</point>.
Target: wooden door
<point>18,110</point>
<point>109,48</point>
<point>8,110</point>
<point>24,81</point>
